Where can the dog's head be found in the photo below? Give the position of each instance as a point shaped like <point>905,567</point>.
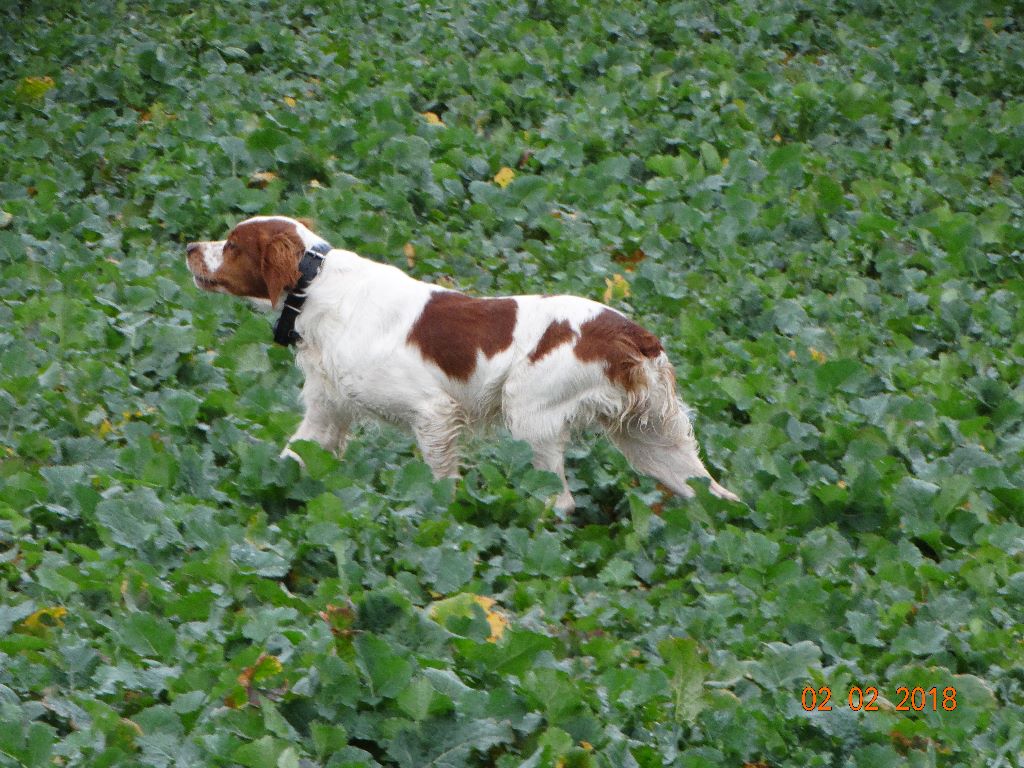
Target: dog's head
<point>258,260</point>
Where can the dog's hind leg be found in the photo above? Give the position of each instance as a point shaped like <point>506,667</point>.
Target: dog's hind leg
<point>437,430</point>
<point>549,455</point>
<point>541,404</point>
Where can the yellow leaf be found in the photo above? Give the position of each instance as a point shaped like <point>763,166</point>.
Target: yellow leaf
<point>504,177</point>
<point>315,183</point>
<point>133,725</point>
<point>33,88</point>
<point>497,622</point>
<point>105,427</point>
<point>410,254</point>
<point>841,484</point>
<point>290,101</point>
<point>432,118</point>
<point>587,746</point>
<point>260,179</point>
<point>616,287</point>
<point>495,619</point>
<point>44,618</point>
<point>268,665</point>
<point>462,605</point>
<point>791,354</point>
<point>777,139</point>
<point>817,356</point>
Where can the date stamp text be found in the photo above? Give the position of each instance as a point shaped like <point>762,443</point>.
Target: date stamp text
<point>866,699</point>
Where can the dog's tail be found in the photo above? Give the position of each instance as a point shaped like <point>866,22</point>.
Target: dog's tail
<point>652,406</point>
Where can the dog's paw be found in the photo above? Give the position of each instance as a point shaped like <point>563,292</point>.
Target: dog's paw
<point>288,453</point>
<point>564,505</point>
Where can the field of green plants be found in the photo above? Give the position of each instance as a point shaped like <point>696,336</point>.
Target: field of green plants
<point>817,204</point>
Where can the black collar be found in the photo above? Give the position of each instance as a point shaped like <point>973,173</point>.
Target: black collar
<point>309,267</point>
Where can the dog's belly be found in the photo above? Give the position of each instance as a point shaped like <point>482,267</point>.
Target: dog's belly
<point>396,385</point>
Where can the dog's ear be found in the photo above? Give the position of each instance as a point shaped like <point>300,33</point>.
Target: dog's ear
<point>280,264</point>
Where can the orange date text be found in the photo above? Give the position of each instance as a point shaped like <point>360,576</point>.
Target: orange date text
<point>866,699</point>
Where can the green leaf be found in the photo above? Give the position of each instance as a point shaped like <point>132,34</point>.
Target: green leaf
<point>387,672</point>
<point>266,138</point>
<point>789,316</point>
<point>446,744</point>
<point>710,158</point>
<point>687,673</point>
<point>520,652</point>
<point>133,519</point>
<point>328,738</point>
<point>617,573</point>
<point>829,194</point>
<point>149,636</point>
<point>843,375</point>
<point>544,555</point>
<point>416,698</point>
<point>317,462</point>
<point>782,665</point>
<point>261,753</point>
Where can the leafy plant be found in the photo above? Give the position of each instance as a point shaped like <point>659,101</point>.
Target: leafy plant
<point>817,205</point>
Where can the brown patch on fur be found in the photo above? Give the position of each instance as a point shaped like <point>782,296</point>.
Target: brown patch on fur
<point>556,334</point>
<point>261,259</point>
<point>453,327</point>
<point>621,345</point>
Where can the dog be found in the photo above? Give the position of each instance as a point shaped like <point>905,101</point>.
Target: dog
<point>375,342</point>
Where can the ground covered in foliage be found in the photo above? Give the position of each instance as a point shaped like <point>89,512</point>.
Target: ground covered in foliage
<point>818,205</point>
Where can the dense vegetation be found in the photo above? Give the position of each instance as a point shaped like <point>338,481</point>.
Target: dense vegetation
<point>818,205</point>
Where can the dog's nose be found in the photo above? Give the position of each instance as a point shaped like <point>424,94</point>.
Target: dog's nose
<point>191,248</point>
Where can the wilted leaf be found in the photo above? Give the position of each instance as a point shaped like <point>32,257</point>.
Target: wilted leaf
<point>504,177</point>
<point>616,288</point>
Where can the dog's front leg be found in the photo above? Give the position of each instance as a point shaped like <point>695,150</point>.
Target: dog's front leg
<point>331,435</point>
<point>324,423</point>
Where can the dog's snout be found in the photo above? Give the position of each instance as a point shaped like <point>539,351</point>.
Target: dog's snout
<point>191,248</point>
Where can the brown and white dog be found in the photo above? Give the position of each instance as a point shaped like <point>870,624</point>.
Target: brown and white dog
<point>373,341</point>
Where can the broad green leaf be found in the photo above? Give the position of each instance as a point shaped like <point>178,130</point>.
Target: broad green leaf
<point>686,672</point>
<point>387,671</point>
<point>782,665</point>
<point>149,636</point>
<point>261,753</point>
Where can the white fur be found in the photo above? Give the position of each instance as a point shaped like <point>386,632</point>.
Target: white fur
<point>213,255</point>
